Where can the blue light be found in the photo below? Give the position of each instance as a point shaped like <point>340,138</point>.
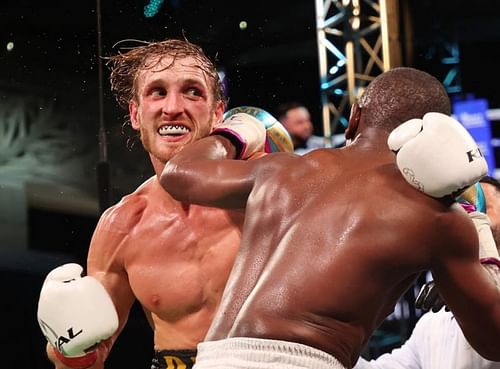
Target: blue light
<point>334,69</point>
<point>450,77</point>
<point>152,8</point>
<point>325,86</point>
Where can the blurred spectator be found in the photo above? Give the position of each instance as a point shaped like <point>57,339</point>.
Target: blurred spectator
<point>297,120</point>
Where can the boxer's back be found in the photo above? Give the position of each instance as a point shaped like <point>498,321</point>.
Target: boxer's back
<point>320,262</point>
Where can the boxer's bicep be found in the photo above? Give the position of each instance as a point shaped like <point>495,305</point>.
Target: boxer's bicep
<point>205,174</point>
<point>226,184</point>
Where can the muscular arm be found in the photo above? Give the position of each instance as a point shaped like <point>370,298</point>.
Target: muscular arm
<point>200,174</point>
<point>104,264</point>
<point>469,290</point>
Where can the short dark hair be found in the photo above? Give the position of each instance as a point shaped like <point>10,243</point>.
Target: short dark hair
<point>401,94</point>
<point>281,110</point>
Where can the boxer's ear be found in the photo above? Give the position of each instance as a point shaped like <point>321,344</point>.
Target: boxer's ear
<point>133,112</point>
<point>352,126</point>
<point>218,114</point>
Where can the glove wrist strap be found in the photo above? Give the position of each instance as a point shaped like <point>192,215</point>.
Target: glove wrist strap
<point>79,362</point>
<point>490,261</point>
<point>232,136</point>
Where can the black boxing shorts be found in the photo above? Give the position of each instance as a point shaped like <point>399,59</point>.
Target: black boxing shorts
<point>173,359</point>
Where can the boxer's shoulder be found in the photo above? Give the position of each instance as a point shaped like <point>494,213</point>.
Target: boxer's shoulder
<point>127,212</point>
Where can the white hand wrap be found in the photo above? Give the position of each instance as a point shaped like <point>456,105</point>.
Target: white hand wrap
<point>437,155</point>
<point>487,247</point>
<point>75,314</point>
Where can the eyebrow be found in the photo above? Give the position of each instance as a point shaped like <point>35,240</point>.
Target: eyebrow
<point>187,81</point>
<point>195,81</point>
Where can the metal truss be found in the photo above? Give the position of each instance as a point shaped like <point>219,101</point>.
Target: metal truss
<point>357,40</point>
<point>447,54</point>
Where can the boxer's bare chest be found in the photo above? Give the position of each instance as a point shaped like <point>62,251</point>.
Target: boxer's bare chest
<point>178,261</point>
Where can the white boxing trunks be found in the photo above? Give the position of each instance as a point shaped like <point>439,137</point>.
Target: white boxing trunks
<point>255,353</point>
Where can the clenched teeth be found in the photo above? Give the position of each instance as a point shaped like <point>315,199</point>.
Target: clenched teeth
<point>174,129</point>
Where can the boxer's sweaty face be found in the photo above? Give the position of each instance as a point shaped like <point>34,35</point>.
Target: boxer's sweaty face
<point>175,106</point>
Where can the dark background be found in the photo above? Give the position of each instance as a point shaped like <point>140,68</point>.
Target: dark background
<point>273,60</point>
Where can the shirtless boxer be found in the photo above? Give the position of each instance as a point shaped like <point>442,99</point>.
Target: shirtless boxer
<point>174,258</point>
<point>332,239</point>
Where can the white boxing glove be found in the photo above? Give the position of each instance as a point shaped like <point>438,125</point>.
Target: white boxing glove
<point>75,313</point>
<point>437,155</point>
<point>254,130</point>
